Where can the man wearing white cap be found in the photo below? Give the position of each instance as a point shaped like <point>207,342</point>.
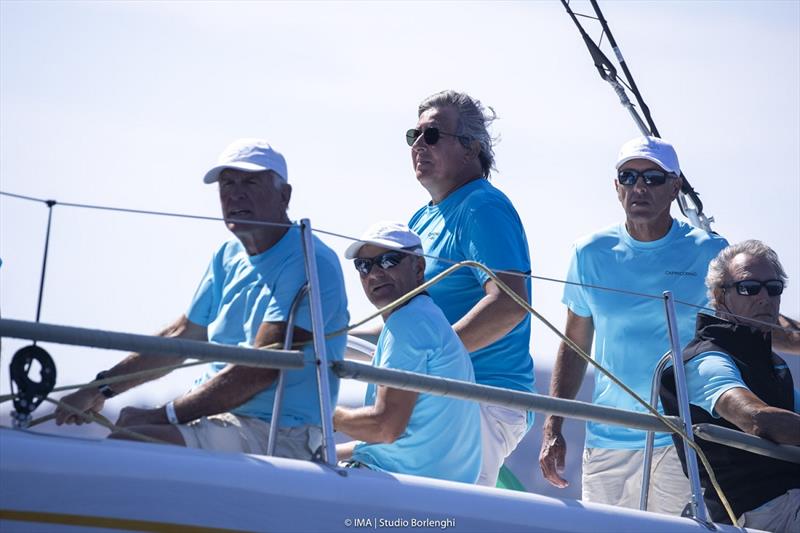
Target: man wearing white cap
<point>402,431</point>
<point>244,298</point>
<point>649,253</point>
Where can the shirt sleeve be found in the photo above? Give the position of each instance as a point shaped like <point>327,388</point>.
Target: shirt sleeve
<point>494,237</point>
<point>575,294</point>
<point>708,376</point>
<point>202,309</point>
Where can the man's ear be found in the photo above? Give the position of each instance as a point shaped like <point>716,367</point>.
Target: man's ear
<point>286,193</point>
<point>678,183</point>
<point>472,151</point>
<point>420,270</point>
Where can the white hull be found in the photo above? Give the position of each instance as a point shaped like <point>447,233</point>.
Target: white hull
<point>48,482</point>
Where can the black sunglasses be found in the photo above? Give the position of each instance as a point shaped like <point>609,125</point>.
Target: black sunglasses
<point>651,177</point>
<point>385,261</point>
<point>430,135</point>
<point>751,287</point>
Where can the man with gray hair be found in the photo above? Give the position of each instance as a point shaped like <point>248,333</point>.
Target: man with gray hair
<point>469,219</point>
<point>244,298</point>
<point>735,380</point>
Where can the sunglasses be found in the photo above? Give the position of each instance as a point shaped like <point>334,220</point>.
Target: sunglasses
<point>385,261</point>
<point>751,287</point>
<point>651,177</point>
<point>430,135</point>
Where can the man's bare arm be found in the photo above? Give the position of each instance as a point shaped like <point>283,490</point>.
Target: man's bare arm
<point>568,373</point>
<point>90,399</point>
<point>748,412</point>
<point>494,316</point>
<point>235,384</point>
<point>382,422</point>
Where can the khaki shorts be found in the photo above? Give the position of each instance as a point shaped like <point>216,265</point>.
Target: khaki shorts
<point>227,432</point>
<point>614,477</point>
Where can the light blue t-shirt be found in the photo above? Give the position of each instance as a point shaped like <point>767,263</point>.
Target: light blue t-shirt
<point>710,374</point>
<point>239,292</point>
<point>477,222</point>
<point>630,331</point>
<point>443,436</point>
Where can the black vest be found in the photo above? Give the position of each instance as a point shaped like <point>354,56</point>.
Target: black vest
<point>748,480</point>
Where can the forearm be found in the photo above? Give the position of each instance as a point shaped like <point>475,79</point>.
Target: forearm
<point>787,341</point>
<point>228,389</point>
<point>364,423</point>
<point>493,317</point>
<point>568,374</point>
<point>777,425</point>
<point>140,362</point>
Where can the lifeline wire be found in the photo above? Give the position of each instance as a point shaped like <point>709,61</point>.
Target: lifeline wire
<point>442,259</point>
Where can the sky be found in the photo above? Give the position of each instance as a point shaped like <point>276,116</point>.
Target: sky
<point>127,104</point>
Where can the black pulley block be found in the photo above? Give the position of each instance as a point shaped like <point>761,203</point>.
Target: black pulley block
<point>29,394</point>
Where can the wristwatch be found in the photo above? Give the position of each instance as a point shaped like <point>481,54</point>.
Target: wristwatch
<point>105,389</point>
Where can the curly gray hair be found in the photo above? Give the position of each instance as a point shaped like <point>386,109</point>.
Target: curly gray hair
<point>718,267</point>
<point>473,123</point>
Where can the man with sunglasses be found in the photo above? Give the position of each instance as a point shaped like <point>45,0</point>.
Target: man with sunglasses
<point>648,253</point>
<point>403,431</point>
<point>735,380</point>
<point>469,219</point>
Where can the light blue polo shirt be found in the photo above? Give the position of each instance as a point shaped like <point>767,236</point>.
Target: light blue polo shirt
<point>443,436</point>
<point>711,374</point>
<point>630,331</point>
<point>239,292</point>
<point>478,222</point>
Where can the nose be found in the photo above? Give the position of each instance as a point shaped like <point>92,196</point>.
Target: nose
<point>419,144</point>
<point>639,185</point>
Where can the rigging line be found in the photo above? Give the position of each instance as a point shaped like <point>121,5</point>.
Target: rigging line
<point>50,204</point>
<point>150,212</point>
<point>351,238</point>
<point>23,197</point>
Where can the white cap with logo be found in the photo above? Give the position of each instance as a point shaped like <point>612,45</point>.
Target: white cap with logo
<point>653,149</point>
<point>391,235</point>
<point>250,155</point>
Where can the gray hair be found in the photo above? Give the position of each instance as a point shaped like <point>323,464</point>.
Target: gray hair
<point>473,123</point>
<point>718,267</point>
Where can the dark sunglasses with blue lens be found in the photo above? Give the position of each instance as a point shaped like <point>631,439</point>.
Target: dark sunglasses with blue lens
<point>385,261</point>
<point>751,287</point>
<point>430,135</point>
<point>653,177</point>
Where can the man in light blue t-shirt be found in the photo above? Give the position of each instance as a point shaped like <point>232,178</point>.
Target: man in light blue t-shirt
<point>402,431</point>
<point>244,299</point>
<point>649,253</point>
<point>469,219</point>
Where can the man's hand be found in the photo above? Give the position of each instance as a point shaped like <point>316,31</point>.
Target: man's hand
<point>552,457</point>
<point>85,400</point>
<point>134,416</point>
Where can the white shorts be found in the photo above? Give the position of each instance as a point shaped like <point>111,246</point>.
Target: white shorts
<point>501,430</point>
<point>781,514</point>
<point>227,432</point>
<point>614,477</point>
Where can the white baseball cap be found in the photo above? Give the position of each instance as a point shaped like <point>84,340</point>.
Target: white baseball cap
<point>250,155</point>
<point>653,149</point>
<point>391,235</point>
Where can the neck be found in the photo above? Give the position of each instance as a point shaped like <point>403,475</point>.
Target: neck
<point>651,230</point>
<point>438,195</point>
<point>261,240</point>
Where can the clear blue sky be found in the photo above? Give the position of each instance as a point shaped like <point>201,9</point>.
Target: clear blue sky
<point>128,103</point>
